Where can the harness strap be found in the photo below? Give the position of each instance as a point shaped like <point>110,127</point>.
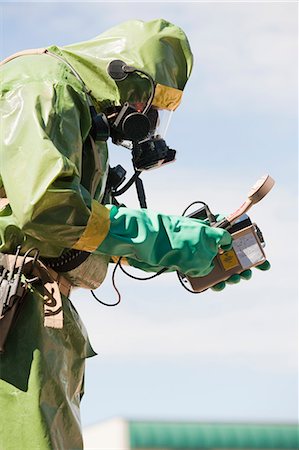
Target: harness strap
<point>53,283</point>
<point>45,51</point>
<point>63,284</point>
<point>32,51</point>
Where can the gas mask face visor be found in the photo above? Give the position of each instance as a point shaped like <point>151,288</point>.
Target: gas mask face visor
<point>146,137</point>
<point>142,127</point>
<point>153,152</point>
<point>160,120</point>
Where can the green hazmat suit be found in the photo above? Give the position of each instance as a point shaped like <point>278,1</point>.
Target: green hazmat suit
<point>54,176</point>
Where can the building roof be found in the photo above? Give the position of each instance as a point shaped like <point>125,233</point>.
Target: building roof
<point>122,434</point>
<point>182,435</point>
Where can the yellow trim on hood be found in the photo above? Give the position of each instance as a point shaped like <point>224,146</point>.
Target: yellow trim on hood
<point>167,97</point>
<point>96,229</point>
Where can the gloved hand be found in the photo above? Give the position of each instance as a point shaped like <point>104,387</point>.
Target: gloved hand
<point>234,279</point>
<point>155,240</point>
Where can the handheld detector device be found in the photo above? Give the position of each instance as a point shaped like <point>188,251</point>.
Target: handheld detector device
<point>247,245</point>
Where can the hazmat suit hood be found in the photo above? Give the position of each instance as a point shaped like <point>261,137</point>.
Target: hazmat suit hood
<point>156,47</point>
<point>52,203</point>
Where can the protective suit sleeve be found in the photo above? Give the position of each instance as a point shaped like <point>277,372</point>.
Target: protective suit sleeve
<point>159,240</point>
<point>44,126</point>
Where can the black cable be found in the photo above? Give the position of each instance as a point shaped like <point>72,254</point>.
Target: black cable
<point>131,181</point>
<point>210,216</point>
<point>140,193</point>
<point>139,278</point>
<point>156,275</point>
<point>212,220</point>
<point>20,270</point>
<point>193,203</point>
<point>115,288</point>
<point>184,286</point>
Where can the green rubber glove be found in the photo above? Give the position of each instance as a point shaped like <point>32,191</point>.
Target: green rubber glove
<point>155,240</point>
<point>234,279</point>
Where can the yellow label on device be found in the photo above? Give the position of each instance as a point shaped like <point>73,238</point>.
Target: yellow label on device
<point>229,260</point>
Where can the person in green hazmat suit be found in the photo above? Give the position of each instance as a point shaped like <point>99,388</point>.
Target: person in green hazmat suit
<point>59,105</point>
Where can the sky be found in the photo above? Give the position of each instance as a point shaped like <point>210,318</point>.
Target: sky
<point>164,353</point>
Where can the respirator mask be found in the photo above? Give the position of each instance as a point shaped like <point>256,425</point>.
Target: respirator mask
<point>140,127</point>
